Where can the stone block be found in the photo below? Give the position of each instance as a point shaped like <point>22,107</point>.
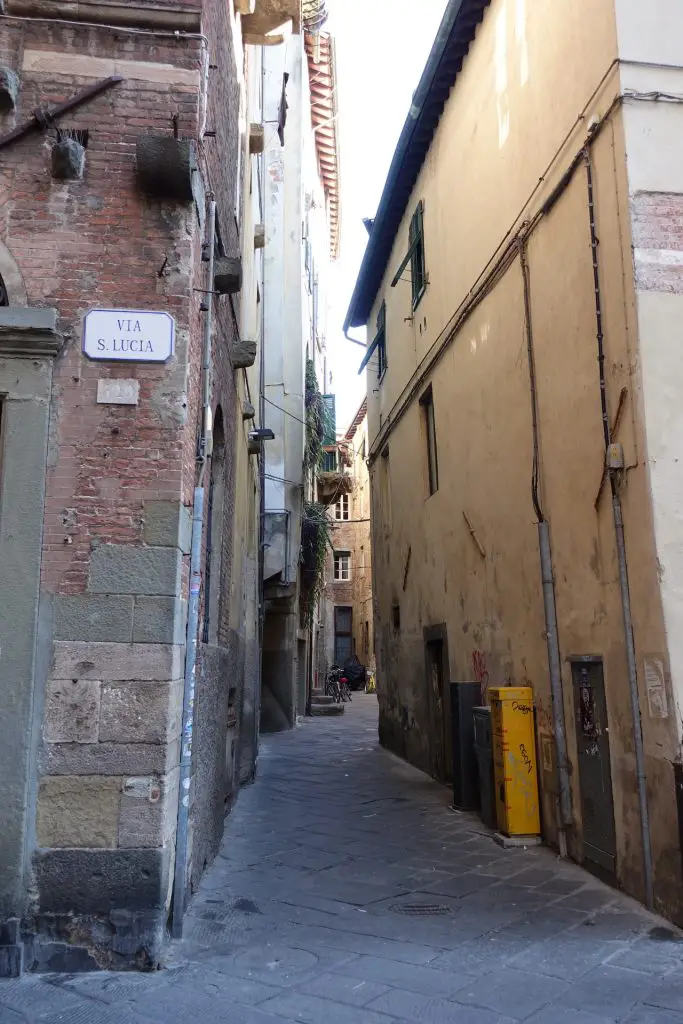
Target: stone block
<point>243,354</point>
<point>137,712</point>
<point>168,524</point>
<point>248,411</point>
<point>68,160</point>
<point>97,617</point>
<point>259,236</point>
<point>257,138</point>
<point>159,620</point>
<point>75,660</point>
<point>227,275</point>
<point>109,758</point>
<point>149,810</point>
<point>101,881</point>
<point>132,569</point>
<point>78,811</point>
<point>165,166</point>
<point>72,711</point>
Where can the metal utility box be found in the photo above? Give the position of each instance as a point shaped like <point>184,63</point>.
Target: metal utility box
<point>464,697</point>
<point>483,747</point>
<point>514,758</point>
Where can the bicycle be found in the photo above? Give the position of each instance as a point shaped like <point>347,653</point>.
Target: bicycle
<point>344,689</point>
<point>332,685</point>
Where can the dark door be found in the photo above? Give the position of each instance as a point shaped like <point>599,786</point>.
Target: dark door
<point>595,777</point>
<point>440,704</point>
<point>343,635</point>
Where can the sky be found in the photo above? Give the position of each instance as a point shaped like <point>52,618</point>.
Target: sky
<point>382,48</point>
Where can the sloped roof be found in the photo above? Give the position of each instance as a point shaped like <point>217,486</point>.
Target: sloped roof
<point>357,420</point>
<point>452,43</point>
<point>322,70</point>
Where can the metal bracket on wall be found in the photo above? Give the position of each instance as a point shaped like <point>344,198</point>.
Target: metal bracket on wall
<point>43,118</point>
<point>480,547</point>
<point>615,426</point>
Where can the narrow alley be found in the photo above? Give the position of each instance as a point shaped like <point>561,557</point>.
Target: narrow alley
<point>347,892</point>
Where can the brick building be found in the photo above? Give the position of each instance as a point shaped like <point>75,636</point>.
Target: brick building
<point>110,207</point>
<point>347,617</point>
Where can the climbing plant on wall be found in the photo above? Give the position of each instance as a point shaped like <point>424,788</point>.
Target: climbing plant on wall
<point>315,420</point>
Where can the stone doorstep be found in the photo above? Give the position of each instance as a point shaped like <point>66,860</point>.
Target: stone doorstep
<point>321,698</point>
<point>326,709</point>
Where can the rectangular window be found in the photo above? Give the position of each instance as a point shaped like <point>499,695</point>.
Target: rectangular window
<point>330,462</point>
<point>366,639</point>
<point>381,341</point>
<point>418,272</point>
<point>362,560</point>
<point>341,508</point>
<point>342,566</point>
<point>427,404</point>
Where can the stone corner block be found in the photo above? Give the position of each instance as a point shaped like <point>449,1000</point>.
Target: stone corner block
<point>102,881</point>
<point>159,620</point>
<point>135,712</point>
<point>72,711</point>
<point>168,524</point>
<point>149,807</point>
<point>142,662</point>
<point>128,569</point>
<point>93,617</point>
<point>78,812</point>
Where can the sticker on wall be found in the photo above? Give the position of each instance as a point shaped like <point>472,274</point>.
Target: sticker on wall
<point>128,335</point>
<point>655,684</point>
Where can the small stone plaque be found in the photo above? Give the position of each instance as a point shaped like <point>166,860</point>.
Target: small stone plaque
<point>118,392</point>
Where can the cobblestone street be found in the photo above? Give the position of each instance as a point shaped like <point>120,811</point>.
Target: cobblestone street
<point>347,892</point>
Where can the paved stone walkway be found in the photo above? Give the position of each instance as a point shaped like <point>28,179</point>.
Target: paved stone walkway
<point>347,892</point>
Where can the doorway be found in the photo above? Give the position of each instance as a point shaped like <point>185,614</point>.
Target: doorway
<point>439,702</point>
<point>343,635</point>
<point>595,775</point>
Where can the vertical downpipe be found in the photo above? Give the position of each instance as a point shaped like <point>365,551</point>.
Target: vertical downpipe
<point>624,588</point>
<point>192,639</point>
<point>564,810</point>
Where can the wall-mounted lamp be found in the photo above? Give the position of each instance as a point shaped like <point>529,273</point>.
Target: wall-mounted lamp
<point>263,434</point>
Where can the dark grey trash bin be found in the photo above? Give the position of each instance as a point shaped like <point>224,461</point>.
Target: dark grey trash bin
<point>483,746</point>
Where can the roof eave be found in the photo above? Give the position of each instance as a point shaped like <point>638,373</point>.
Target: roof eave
<point>454,37</point>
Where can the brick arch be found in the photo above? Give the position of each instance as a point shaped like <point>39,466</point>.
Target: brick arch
<point>11,279</point>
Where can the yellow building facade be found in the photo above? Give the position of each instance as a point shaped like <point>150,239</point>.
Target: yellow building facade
<point>520,293</point>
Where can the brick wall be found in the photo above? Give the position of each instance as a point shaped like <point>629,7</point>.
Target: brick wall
<point>120,478</point>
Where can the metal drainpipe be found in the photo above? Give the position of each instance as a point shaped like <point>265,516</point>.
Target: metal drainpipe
<point>262,454</point>
<point>621,558</point>
<point>192,642</point>
<point>548,581</point>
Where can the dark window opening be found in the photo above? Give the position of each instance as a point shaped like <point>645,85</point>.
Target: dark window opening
<point>4,297</point>
<point>214,535</point>
<point>396,617</point>
<point>427,404</point>
<point>330,462</point>
<point>417,260</point>
<point>381,341</point>
<point>282,112</point>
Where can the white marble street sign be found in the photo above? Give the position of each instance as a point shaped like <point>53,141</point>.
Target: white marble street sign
<point>128,335</point>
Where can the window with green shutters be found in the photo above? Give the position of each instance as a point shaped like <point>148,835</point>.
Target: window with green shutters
<point>418,272</point>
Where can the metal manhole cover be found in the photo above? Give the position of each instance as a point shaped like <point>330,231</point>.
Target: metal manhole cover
<point>420,909</point>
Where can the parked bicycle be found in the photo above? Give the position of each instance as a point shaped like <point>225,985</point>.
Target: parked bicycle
<point>337,685</point>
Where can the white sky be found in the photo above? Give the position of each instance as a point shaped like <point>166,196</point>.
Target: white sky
<point>382,48</point>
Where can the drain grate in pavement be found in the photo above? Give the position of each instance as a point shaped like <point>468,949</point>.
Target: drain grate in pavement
<point>420,909</point>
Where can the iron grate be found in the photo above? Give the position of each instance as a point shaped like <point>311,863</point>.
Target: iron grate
<point>420,909</point>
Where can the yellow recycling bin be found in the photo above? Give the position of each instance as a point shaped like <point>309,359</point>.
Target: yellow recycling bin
<point>514,758</point>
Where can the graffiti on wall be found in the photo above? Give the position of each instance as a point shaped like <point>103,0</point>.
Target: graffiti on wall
<point>481,673</point>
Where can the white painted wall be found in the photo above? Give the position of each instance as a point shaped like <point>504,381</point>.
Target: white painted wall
<point>651,48</point>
